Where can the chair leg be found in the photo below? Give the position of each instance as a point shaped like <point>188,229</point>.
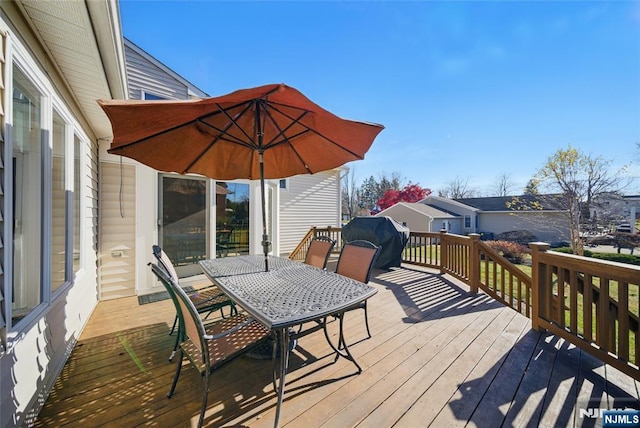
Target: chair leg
<point>175,346</point>
<point>173,327</point>
<point>274,352</point>
<point>205,396</point>
<point>366,319</point>
<point>177,375</point>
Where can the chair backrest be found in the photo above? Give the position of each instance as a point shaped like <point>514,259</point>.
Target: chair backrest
<point>165,262</point>
<point>319,251</point>
<point>357,259</point>
<point>192,323</point>
<point>224,235</point>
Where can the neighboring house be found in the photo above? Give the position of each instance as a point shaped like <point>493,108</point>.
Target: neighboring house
<point>77,224</point>
<point>56,59</point>
<point>489,216</point>
<point>611,211</point>
<point>423,218</point>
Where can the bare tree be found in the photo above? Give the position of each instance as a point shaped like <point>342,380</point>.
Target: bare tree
<point>350,194</point>
<point>371,190</point>
<point>502,185</point>
<point>580,178</point>
<point>394,181</point>
<point>456,189</point>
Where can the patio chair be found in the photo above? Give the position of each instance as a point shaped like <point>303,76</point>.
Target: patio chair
<point>208,347</point>
<point>319,251</point>
<point>356,262</point>
<point>206,300</point>
<point>318,254</point>
<point>223,241</point>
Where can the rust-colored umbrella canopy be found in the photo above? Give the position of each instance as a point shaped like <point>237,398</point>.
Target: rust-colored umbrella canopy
<point>219,137</point>
<point>267,132</point>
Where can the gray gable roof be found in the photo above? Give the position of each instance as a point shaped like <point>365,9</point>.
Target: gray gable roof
<point>499,203</point>
<point>430,210</point>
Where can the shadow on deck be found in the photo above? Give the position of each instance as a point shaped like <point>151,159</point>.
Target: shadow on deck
<point>439,355</point>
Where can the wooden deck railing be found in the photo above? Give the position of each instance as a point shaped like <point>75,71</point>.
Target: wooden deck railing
<point>473,262</point>
<point>592,303</point>
<point>334,233</point>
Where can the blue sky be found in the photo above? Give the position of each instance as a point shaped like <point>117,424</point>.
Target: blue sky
<point>466,90</point>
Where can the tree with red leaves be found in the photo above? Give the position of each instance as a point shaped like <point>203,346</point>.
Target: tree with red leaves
<point>410,193</point>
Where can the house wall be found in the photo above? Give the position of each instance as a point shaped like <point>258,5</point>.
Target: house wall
<point>38,346</point>
<point>414,220</point>
<point>146,76</point>
<point>117,230</point>
<point>309,200</point>
<point>457,225</point>
<point>131,192</point>
<point>546,225</point>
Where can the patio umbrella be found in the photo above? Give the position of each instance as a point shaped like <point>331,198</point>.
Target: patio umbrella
<point>267,132</point>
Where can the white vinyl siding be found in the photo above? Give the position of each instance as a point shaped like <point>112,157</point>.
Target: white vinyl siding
<point>3,331</point>
<point>39,345</point>
<point>117,230</point>
<point>545,225</point>
<point>147,75</point>
<point>414,220</point>
<point>309,200</point>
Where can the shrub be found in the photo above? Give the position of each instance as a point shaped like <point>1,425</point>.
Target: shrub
<point>620,258</point>
<point>612,257</point>
<point>512,251</point>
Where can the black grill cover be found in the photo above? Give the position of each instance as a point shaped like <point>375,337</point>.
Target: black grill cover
<point>382,231</point>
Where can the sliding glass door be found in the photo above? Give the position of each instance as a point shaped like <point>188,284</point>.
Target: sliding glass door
<point>183,222</point>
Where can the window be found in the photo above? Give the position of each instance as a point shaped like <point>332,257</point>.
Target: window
<point>46,196</point>
<point>58,203</point>
<point>151,97</point>
<point>77,144</point>
<point>284,184</point>
<point>27,196</point>
<point>467,222</point>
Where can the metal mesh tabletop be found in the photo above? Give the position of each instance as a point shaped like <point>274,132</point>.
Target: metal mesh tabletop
<point>288,294</point>
<point>228,266</point>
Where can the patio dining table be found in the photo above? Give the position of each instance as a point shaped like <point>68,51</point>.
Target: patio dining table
<point>289,294</point>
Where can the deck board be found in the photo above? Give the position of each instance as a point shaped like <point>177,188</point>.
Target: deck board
<point>439,356</point>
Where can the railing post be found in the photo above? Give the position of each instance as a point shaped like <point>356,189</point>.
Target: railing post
<point>474,261</point>
<point>540,290</point>
<point>444,259</point>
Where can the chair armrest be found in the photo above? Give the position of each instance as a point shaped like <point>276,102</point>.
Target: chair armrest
<point>230,331</point>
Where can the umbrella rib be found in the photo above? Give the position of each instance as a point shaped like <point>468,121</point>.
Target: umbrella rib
<point>281,132</point>
<point>315,132</point>
<point>223,132</point>
<point>233,121</point>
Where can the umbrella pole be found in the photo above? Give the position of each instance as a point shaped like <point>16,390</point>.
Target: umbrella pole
<point>265,237</point>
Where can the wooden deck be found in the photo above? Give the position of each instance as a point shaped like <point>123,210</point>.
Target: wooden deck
<point>439,356</point>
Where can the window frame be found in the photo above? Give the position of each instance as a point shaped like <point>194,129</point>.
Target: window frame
<point>154,96</point>
<point>467,221</point>
<point>19,57</point>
